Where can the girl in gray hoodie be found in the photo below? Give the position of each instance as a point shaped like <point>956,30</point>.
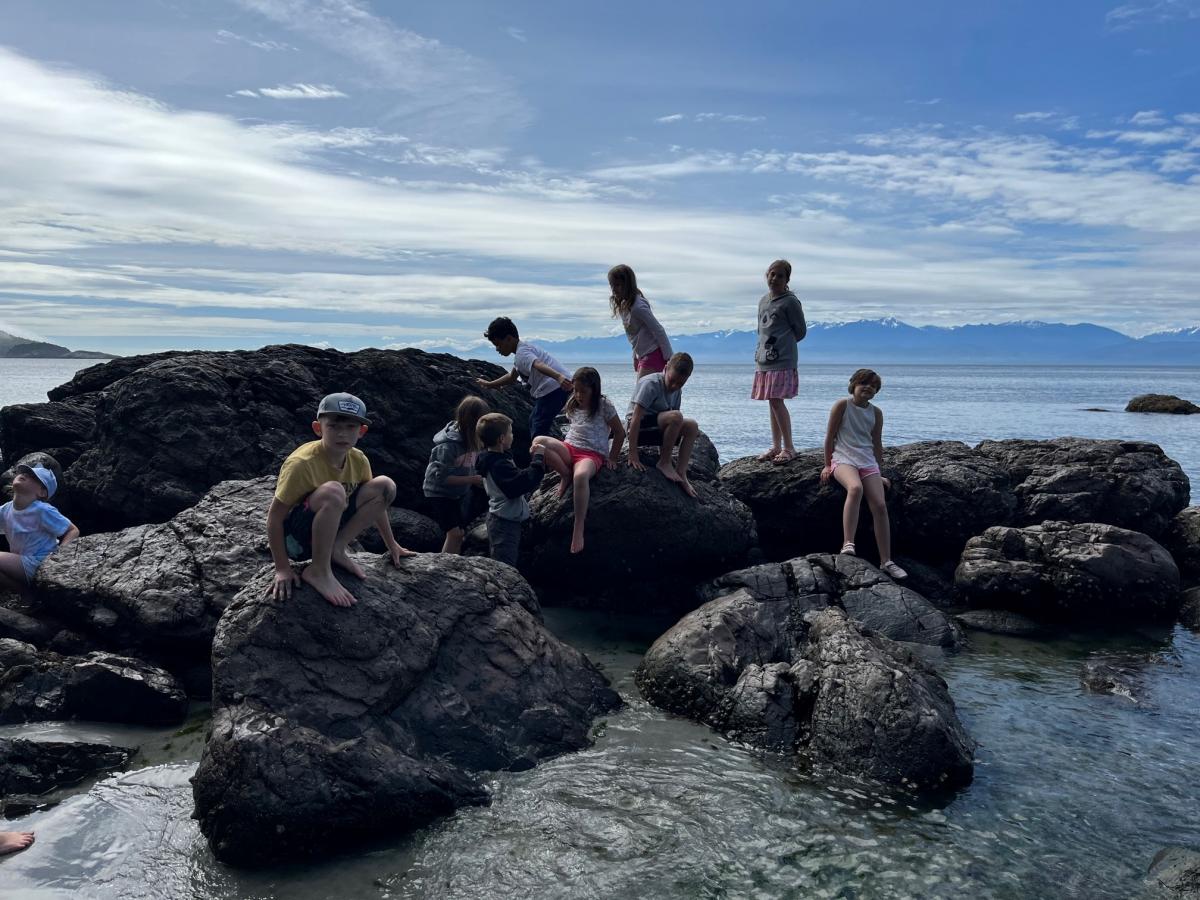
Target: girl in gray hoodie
<point>451,472</point>
<point>781,326</point>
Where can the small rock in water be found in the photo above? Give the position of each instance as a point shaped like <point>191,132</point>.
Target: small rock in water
<point>1162,403</point>
<point>1101,677</point>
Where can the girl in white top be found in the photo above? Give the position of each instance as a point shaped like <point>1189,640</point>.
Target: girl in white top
<point>853,449</point>
<point>651,346</point>
<point>593,441</point>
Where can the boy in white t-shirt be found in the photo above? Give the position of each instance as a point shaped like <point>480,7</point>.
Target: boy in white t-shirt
<point>35,529</point>
<point>549,382</point>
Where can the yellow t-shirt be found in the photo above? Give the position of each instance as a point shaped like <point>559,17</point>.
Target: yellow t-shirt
<point>308,468</point>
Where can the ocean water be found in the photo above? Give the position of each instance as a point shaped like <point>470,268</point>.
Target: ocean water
<point>1073,792</point>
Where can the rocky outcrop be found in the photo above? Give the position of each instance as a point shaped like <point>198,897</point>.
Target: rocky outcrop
<point>1174,875</point>
<point>1100,676</point>
<point>789,681</point>
<point>35,767</point>
<point>1161,403</point>
<point>1131,484</point>
<point>1182,539</point>
<point>40,686</point>
<point>643,533</point>
<point>1189,608</point>
<point>413,530</point>
<point>164,432</point>
<point>1000,621</point>
<point>1089,574</point>
<point>819,581</point>
<point>331,724</point>
<point>703,466</point>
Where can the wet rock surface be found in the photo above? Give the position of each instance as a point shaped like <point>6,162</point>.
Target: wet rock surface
<point>1161,403</point>
<point>1103,677</point>
<point>1174,875</point>
<point>1089,574</point>
<point>821,580</point>
<point>332,724</point>
<point>1189,608</point>
<point>412,529</point>
<point>37,686</point>
<point>1000,621</point>
<point>787,680</point>
<point>35,767</point>
<point>1182,540</point>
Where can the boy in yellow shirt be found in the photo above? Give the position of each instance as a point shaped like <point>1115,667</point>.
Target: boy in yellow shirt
<point>325,497</point>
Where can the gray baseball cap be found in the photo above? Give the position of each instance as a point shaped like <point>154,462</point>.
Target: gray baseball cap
<point>343,405</point>
<point>42,474</point>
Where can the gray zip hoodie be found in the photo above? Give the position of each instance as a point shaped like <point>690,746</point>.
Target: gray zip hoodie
<point>448,457</point>
<point>780,325</point>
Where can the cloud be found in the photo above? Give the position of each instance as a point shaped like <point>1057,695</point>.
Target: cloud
<point>1145,138</point>
<point>1188,118</point>
<point>675,117</point>
<point>1037,116</point>
<point>224,36</point>
<point>727,118</point>
<point>297,91</point>
<point>517,34</point>
<point>1152,12</point>
<point>1147,117</point>
<point>931,102</point>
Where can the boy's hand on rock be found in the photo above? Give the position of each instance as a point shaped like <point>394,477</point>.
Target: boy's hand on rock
<point>398,553</point>
<point>281,587</point>
<point>635,462</point>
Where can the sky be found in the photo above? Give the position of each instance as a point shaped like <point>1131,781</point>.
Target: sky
<point>348,173</point>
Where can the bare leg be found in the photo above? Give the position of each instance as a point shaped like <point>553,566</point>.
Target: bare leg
<point>781,425</point>
<point>671,423</point>
<point>689,430</point>
<point>329,502</point>
<point>454,541</point>
<point>873,488</point>
<point>12,574</point>
<point>558,458</point>
<point>373,497</point>
<point>847,477</point>
<point>14,841</point>
<point>775,436</point>
<point>582,477</point>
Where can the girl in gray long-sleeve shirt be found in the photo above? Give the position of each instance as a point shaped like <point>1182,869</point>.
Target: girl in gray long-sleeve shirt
<point>651,346</point>
<point>781,326</point>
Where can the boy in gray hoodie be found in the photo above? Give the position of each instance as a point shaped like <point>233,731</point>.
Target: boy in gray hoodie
<point>506,485</point>
<point>451,472</point>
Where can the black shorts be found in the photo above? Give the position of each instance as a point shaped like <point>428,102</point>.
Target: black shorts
<point>450,512</point>
<point>297,527</point>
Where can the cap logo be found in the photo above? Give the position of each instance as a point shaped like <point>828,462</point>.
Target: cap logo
<point>349,406</point>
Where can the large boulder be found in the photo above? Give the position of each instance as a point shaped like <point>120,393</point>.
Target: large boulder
<point>1086,574</point>
<point>168,430</point>
<point>1174,875</point>
<point>35,767</point>
<point>332,724</point>
<point>38,686</point>
<point>1182,539</point>
<point>771,674</point>
<point>1132,484</point>
<point>1161,403</point>
<point>869,597</point>
<point>646,540</point>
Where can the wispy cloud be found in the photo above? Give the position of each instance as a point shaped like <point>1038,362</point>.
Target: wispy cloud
<point>1145,138</point>
<point>674,117</point>
<point>517,34</point>
<point>298,91</point>
<point>729,118</point>
<point>1035,116</point>
<point>224,36</point>
<point>1148,117</point>
<point>1152,12</point>
<point>933,101</point>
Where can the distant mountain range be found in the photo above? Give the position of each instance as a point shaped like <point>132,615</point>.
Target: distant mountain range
<point>880,341</point>
<point>13,347</point>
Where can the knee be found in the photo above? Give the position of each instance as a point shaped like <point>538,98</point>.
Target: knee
<point>670,418</point>
<point>690,426</point>
<point>854,492</point>
<point>581,476</point>
<point>383,487</point>
<point>331,493</point>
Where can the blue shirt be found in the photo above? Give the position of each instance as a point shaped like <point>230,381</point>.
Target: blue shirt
<point>33,532</point>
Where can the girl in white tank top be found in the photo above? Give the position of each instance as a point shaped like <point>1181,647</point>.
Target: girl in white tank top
<point>853,450</point>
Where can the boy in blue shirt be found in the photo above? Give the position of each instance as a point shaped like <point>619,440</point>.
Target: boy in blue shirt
<point>35,529</point>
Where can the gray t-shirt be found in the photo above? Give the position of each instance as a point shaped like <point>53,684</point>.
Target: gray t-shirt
<point>780,325</point>
<point>651,395</point>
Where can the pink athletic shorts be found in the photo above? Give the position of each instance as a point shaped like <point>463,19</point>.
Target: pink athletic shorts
<point>578,453</point>
<point>654,361</point>
<point>863,471</point>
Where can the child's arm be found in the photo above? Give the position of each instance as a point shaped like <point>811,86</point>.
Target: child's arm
<point>506,379</point>
<point>831,430</point>
<point>563,381</point>
<point>285,576</point>
<point>69,535</point>
<point>877,440</point>
<point>618,440</point>
<point>513,481</point>
<point>635,426</point>
<point>459,480</point>
<point>796,317</point>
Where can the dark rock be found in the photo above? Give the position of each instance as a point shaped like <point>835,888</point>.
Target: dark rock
<point>1161,403</point>
<point>1131,484</point>
<point>1087,574</point>
<point>413,530</point>
<point>1182,540</point>
<point>769,673</point>
<point>703,466</point>
<point>1189,609</point>
<point>641,528</point>
<point>21,627</point>
<point>168,430</point>
<point>88,382</point>
<point>1175,874</point>
<point>39,686</point>
<point>333,724</point>
<point>869,597</point>
<point>933,581</point>
<point>1000,621</point>
<point>63,430</point>
<point>1102,677</point>
<point>35,767</point>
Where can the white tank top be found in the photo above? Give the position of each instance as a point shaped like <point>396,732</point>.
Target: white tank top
<point>853,444</point>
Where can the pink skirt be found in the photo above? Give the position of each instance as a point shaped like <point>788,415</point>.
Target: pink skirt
<point>781,385</point>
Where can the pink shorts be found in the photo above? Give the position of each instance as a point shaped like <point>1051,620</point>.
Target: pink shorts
<point>783,385</point>
<point>654,361</point>
<point>578,453</point>
<point>863,471</point>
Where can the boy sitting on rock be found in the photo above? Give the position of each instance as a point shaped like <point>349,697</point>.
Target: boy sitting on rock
<point>654,418</point>
<point>325,497</point>
<point>35,529</point>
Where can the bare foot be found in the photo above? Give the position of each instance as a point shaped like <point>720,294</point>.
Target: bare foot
<point>15,841</point>
<point>339,557</point>
<point>687,486</point>
<point>669,471</point>
<point>327,586</point>
<point>576,543</point>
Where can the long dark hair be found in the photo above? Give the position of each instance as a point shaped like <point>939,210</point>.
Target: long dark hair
<point>588,377</point>
<point>623,284</point>
<point>467,415</point>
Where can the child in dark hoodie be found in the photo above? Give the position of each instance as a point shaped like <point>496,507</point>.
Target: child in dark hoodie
<point>781,326</point>
<point>506,485</point>
<point>450,473</point>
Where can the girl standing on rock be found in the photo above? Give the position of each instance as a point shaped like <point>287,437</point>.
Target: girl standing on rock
<point>450,474</point>
<point>853,449</point>
<point>594,439</point>
<point>651,346</point>
<point>781,326</point>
